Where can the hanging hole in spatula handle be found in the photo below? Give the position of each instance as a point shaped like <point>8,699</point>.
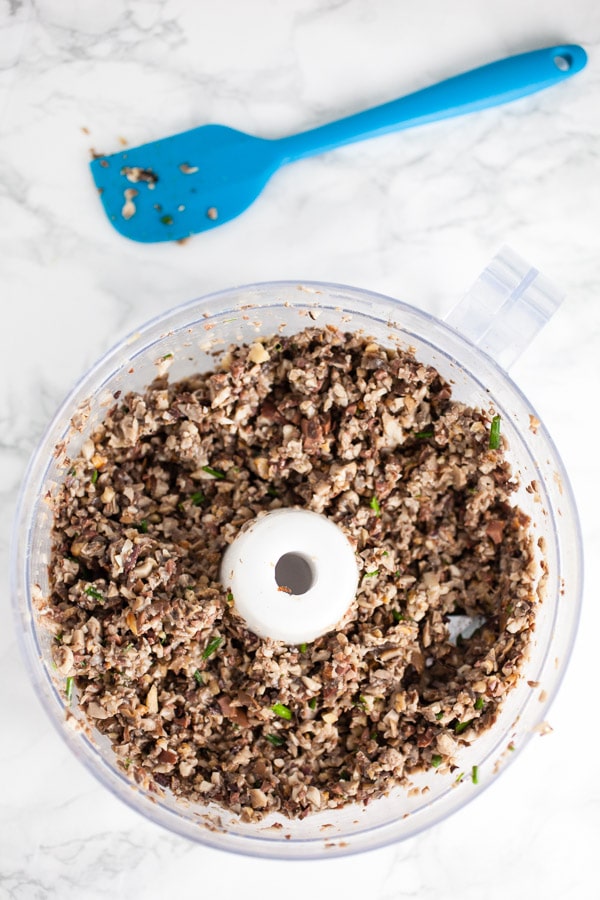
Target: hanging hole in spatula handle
<point>563,62</point>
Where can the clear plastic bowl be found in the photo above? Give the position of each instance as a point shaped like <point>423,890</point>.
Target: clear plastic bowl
<point>193,333</point>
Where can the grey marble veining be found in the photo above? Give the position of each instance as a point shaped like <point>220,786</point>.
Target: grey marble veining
<point>415,215</point>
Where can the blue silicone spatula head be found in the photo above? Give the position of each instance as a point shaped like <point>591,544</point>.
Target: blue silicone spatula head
<point>178,186</point>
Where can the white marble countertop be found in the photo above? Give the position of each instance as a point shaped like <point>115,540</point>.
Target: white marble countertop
<point>415,215</point>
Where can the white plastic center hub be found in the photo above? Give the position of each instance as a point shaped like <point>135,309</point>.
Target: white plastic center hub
<point>292,574</point>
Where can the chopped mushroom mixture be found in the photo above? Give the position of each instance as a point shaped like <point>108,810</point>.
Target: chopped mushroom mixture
<point>149,642</point>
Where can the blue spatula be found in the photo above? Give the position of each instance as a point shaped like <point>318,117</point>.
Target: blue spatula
<point>178,186</point>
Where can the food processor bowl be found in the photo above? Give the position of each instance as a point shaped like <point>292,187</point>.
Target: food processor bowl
<point>195,334</point>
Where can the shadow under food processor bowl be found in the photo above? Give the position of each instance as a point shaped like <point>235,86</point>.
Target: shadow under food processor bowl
<point>506,307</point>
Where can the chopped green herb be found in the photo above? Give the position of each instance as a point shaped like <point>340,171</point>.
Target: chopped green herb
<point>362,701</point>
<point>436,760</point>
<point>127,762</point>
<point>344,776</point>
<point>166,220</point>
<point>230,598</point>
<point>214,472</point>
<point>143,526</point>
<point>479,703</point>
<point>73,472</point>
<point>272,491</point>
<point>462,726</point>
<point>283,711</point>
<point>424,434</point>
<point>398,617</point>
<point>275,739</point>
<point>303,648</point>
<point>495,433</point>
<point>163,639</point>
<point>69,688</point>
<point>95,474</point>
<point>198,678</point>
<point>91,591</point>
<point>167,356</point>
<point>313,702</point>
<point>197,498</point>
<point>511,747</point>
<point>385,553</point>
<point>374,504</point>
<point>58,637</point>
<point>459,777</point>
<point>211,647</point>
<point>372,574</point>
<point>475,775</point>
<point>439,716</point>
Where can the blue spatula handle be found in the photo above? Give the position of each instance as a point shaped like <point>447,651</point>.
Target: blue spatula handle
<point>490,85</point>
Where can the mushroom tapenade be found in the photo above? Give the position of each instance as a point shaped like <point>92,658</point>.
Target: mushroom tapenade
<point>149,640</point>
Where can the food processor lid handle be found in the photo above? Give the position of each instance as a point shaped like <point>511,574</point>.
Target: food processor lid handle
<point>506,307</point>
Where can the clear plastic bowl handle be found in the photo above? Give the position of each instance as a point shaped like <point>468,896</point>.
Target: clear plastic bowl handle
<point>505,308</point>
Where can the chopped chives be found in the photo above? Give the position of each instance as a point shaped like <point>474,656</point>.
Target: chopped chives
<point>479,703</point>
<point>143,526</point>
<point>214,472</point>
<point>312,703</point>
<point>281,710</point>
<point>462,726</point>
<point>197,498</point>
<point>371,574</point>
<point>424,434</point>
<point>439,716</point>
<point>303,648</point>
<point>69,688</point>
<point>230,598</point>
<point>397,616</point>
<point>475,775</point>
<point>91,591</point>
<point>375,506</point>
<point>198,678</point>
<point>166,220</point>
<point>95,474</point>
<point>275,739</point>
<point>495,433</point>
<point>211,647</point>
<point>436,759</point>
